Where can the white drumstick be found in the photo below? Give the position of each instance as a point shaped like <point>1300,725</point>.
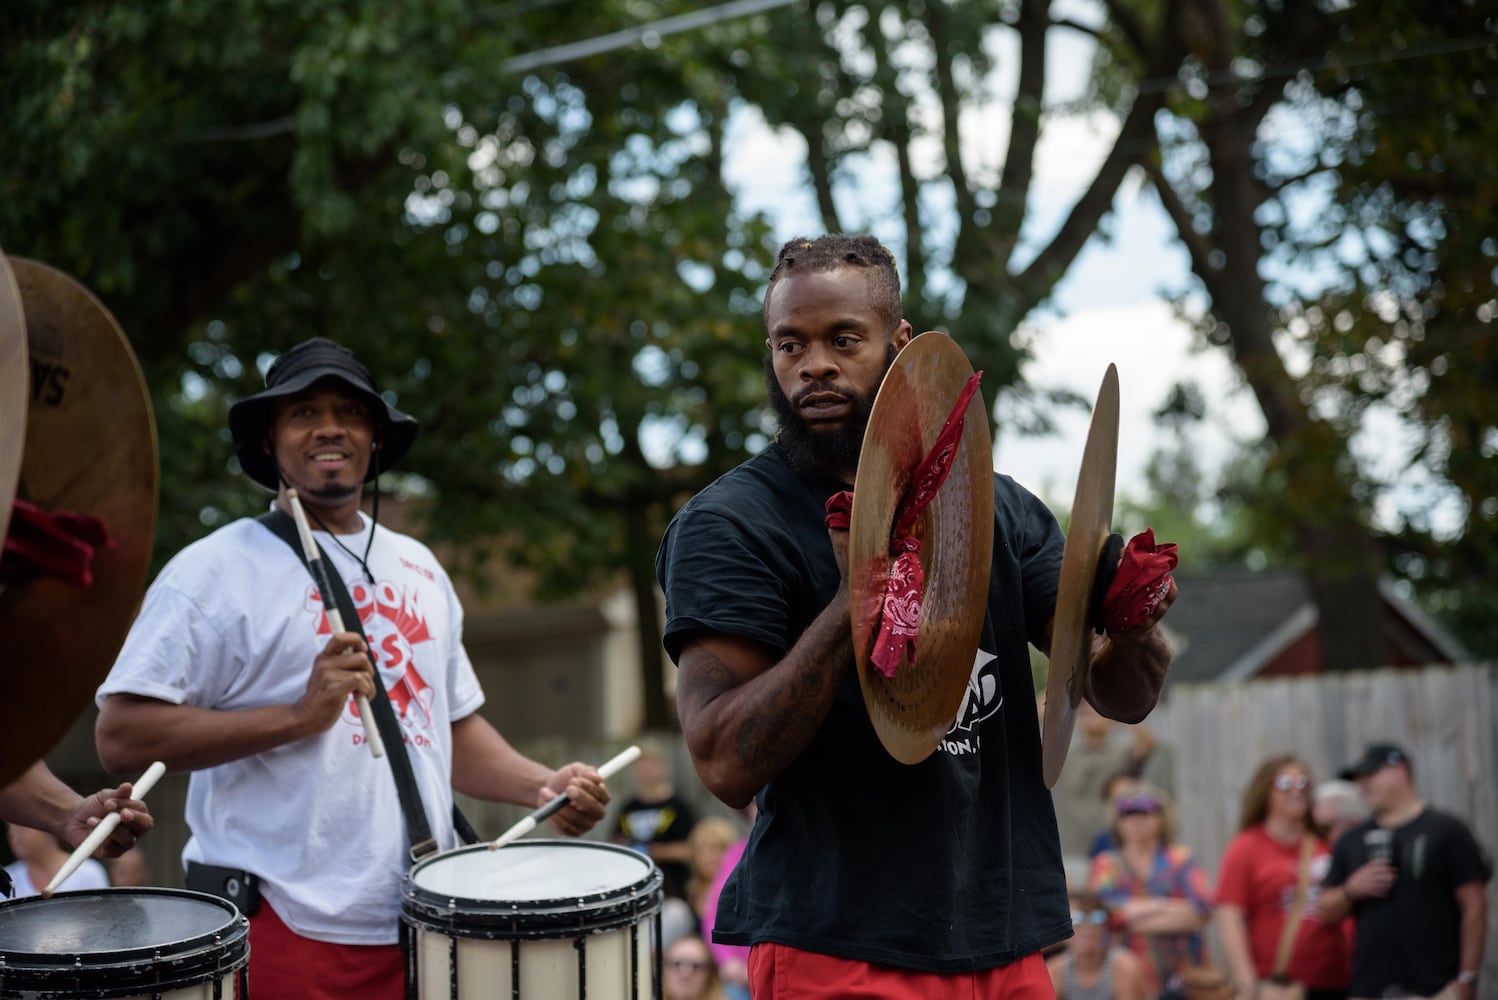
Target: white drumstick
<point>330,607</point>
<point>606,771</point>
<point>101,832</point>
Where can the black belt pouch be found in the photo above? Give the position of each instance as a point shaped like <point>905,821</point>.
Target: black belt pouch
<point>236,885</point>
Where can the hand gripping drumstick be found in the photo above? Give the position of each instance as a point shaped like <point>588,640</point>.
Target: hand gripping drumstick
<point>101,833</point>
<point>606,771</point>
<point>330,607</point>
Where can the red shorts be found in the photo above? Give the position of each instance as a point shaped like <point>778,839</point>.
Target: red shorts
<point>287,966</point>
<point>778,972</point>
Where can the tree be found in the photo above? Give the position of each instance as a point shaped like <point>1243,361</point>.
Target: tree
<point>1240,204</point>
<point>552,258</point>
<point>1409,325</point>
<point>516,255</point>
<point>906,84</point>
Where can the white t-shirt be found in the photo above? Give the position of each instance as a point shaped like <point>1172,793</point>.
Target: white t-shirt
<point>89,875</point>
<point>234,621</point>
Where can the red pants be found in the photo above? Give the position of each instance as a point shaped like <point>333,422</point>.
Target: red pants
<point>286,966</point>
<point>778,972</point>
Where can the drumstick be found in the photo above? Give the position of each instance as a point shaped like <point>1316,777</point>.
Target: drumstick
<point>101,832</point>
<point>330,606</point>
<point>606,771</point>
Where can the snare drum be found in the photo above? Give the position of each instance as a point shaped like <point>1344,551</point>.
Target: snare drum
<point>545,918</point>
<point>123,943</point>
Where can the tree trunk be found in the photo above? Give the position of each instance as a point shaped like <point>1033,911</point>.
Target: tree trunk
<point>658,716</point>
<point>1336,551</point>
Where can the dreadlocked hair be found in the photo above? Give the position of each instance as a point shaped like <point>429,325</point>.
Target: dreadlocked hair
<point>804,255</point>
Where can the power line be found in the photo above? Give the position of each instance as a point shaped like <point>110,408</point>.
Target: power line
<point>648,35</point>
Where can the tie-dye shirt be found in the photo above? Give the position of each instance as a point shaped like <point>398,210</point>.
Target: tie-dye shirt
<point>1174,875</point>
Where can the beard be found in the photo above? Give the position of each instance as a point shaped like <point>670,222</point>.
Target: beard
<point>332,492</point>
<point>822,452</point>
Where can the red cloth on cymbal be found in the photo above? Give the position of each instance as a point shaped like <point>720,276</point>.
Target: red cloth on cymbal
<point>904,585</point>
<point>1142,581</point>
<point>840,510</point>
<point>60,545</point>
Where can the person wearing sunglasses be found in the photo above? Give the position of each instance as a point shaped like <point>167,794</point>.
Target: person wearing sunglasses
<point>689,971</point>
<point>1155,889</point>
<point>1091,967</point>
<point>1268,887</point>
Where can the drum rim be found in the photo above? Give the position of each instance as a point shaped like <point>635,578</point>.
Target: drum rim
<point>409,888</point>
<point>163,966</point>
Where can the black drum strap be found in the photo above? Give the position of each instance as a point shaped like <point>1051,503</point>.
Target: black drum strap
<point>417,827</point>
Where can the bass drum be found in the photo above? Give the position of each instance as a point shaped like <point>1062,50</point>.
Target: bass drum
<point>541,919</point>
<point>166,943</point>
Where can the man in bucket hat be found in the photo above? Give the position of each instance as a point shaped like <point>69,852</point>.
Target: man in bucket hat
<point>231,671</point>
<point>1414,880</point>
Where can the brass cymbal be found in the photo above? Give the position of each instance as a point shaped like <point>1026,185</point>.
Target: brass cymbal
<point>1087,533</point>
<point>913,710</point>
<point>90,449</point>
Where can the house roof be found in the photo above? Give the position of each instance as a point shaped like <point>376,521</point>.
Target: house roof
<point>1229,624</point>
<point>1219,618</point>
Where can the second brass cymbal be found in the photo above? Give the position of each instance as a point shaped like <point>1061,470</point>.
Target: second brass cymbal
<point>1086,535</point>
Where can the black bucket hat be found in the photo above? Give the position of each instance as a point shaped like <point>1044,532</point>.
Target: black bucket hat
<point>296,370</point>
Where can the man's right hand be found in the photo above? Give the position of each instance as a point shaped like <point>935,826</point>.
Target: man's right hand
<point>1372,881</point>
<point>342,669</point>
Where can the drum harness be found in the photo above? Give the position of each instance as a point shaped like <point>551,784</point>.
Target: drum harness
<point>417,827</point>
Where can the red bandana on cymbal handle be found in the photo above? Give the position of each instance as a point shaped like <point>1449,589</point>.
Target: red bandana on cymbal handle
<point>900,608</point>
<point>59,545</point>
<point>1141,583</point>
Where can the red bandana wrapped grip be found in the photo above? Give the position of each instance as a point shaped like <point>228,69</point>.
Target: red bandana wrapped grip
<point>59,545</point>
<point>1142,581</point>
<point>904,585</point>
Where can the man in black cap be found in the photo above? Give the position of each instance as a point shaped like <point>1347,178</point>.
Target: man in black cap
<point>232,671</point>
<point>1413,878</point>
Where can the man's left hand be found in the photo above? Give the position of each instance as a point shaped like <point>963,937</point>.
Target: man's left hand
<point>135,820</point>
<point>1128,668</point>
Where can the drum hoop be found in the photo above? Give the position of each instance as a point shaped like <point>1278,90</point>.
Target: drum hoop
<point>538,918</point>
<point>128,972</point>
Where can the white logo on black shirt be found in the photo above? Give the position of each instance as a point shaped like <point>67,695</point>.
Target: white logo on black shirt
<point>983,698</point>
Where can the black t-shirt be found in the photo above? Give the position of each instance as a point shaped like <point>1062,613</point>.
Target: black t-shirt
<point>663,821</point>
<point>1410,938</point>
<point>949,865</point>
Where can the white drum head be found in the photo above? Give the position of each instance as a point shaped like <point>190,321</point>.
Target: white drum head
<point>534,870</point>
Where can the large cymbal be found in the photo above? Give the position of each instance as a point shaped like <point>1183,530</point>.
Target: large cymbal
<point>90,449</point>
<point>913,710</point>
<point>1086,535</point>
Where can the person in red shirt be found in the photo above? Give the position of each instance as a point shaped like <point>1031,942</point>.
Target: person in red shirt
<point>1259,881</point>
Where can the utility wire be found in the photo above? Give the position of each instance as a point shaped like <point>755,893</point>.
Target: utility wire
<point>648,35</point>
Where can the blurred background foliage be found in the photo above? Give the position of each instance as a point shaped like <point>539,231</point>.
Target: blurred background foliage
<point>541,256</point>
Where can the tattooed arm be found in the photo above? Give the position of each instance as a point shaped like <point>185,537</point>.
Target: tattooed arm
<point>746,716</point>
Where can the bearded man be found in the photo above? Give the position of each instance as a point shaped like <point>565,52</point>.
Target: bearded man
<point>865,877</point>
